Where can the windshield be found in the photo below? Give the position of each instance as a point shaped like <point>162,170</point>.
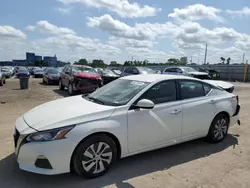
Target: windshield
<point>38,70</point>
<point>83,69</point>
<point>188,69</point>
<point>118,92</point>
<point>145,70</point>
<point>52,71</point>
<point>22,71</point>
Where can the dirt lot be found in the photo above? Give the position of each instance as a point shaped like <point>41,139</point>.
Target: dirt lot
<point>195,164</point>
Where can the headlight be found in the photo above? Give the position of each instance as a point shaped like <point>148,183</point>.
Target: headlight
<point>50,135</point>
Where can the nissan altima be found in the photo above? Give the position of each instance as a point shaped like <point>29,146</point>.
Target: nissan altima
<point>130,115</point>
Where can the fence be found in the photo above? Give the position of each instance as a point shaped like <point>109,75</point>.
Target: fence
<point>227,72</point>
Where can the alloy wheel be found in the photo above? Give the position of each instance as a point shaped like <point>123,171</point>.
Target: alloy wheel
<point>97,157</point>
<point>220,129</point>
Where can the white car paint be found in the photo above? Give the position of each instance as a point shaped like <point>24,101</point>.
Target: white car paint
<point>136,130</point>
<point>219,83</point>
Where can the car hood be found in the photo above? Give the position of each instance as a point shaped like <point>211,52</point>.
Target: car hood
<point>198,73</point>
<point>222,84</point>
<point>87,75</point>
<point>64,112</point>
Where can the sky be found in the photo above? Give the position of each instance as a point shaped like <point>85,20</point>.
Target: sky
<point>120,30</point>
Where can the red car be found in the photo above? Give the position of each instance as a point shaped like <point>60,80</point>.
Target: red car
<point>78,78</point>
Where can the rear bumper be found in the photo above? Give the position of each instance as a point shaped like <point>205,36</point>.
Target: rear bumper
<point>235,118</point>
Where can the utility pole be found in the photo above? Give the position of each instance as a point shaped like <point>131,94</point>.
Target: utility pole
<point>205,58</point>
<point>243,59</point>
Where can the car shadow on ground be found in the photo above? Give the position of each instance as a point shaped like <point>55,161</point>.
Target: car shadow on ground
<point>131,167</point>
<point>63,93</point>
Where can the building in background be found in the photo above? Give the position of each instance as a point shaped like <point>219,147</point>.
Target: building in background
<point>52,61</point>
<point>30,58</point>
<point>38,58</point>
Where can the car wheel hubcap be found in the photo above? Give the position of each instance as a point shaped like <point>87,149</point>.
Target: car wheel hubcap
<point>220,129</point>
<point>70,89</point>
<point>97,157</point>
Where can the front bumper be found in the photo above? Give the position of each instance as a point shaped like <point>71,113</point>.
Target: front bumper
<point>58,153</point>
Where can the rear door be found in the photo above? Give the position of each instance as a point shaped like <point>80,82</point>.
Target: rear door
<point>197,106</point>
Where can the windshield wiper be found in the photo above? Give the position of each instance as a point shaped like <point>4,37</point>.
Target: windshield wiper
<point>95,100</point>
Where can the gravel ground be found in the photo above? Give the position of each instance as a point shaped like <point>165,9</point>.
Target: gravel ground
<point>195,164</point>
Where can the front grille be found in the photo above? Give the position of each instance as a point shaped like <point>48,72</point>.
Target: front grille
<point>85,81</point>
<point>16,137</point>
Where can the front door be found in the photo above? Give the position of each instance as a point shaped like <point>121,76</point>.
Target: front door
<point>148,128</point>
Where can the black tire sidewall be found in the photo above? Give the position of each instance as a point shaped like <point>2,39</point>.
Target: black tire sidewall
<point>211,137</point>
<point>61,87</point>
<point>77,161</point>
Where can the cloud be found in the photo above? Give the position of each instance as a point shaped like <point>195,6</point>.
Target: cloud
<point>122,42</point>
<point>122,7</point>
<point>196,12</point>
<point>46,27</point>
<point>11,32</point>
<point>63,10</point>
<point>245,11</point>
<point>143,31</point>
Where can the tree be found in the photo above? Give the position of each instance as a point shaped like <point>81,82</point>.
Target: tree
<point>173,61</point>
<point>127,63</point>
<point>145,62</point>
<point>184,60</point>
<point>81,62</point>
<point>228,60</point>
<point>113,63</point>
<point>98,63</point>
<point>222,60</point>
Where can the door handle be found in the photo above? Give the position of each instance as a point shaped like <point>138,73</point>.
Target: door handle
<point>175,112</point>
<point>212,101</point>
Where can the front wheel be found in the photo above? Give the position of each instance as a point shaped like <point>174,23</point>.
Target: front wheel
<point>218,129</point>
<point>61,86</point>
<point>71,89</point>
<point>94,156</point>
<point>4,81</point>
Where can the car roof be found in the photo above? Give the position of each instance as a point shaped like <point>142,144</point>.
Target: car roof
<point>156,77</point>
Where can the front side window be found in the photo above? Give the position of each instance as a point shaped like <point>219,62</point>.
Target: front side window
<point>118,92</point>
<point>191,89</point>
<point>161,92</point>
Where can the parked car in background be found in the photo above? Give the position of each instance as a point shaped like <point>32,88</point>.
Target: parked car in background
<point>6,71</point>
<point>51,76</point>
<point>214,75</point>
<point>22,72</point>
<point>131,115</point>
<point>2,78</point>
<point>33,70</point>
<point>59,69</point>
<point>137,70</point>
<point>108,76</point>
<point>38,73</point>
<point>79,78</point>
<point>117,71</point>
<point>188,71</point>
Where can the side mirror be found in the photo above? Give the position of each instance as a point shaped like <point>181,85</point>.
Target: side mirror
<point>145,104</point>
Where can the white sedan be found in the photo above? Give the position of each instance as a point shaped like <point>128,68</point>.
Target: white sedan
<point>131,115</point>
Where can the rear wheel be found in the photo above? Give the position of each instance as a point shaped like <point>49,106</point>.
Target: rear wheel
<point>94,156</point>
<point>218,129</point>
<point>61,86</point>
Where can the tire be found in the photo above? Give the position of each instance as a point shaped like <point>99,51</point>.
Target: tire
<point>4,81</point>
<point>96,165</point>
<point>218,129</point>
<point>43,81</point>
<point>61,86</point>
<point>71,89</point>
<point>1,83</point>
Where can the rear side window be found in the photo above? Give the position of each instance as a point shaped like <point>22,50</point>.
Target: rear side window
<point>207,88</point>
<point>191,89</point>
<point>161,92</point>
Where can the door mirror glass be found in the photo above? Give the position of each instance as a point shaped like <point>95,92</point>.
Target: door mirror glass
<point>145,103</point>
